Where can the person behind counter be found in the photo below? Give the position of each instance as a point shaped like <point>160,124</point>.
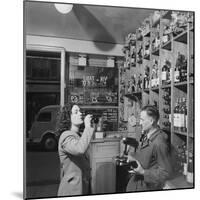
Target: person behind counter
<point>152,157</point>
<point>72,147</point>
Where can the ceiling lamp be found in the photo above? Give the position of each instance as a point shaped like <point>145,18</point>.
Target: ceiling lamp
<point>63,8</point>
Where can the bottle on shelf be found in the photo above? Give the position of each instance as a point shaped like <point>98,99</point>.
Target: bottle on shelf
<point>190,169</point>
<point>184,158</point>
<point>181,66</point>
<point>176,115</point>
<point>154,74</point>
<point>139,83</point>
<point>146,50</point>
<point>146,78</point>
<point>139,34</point>
<point>166,34</point>
<point>176,74</point>
<point>139,55</point>
<point>184,115</point>
<point>165,72</point>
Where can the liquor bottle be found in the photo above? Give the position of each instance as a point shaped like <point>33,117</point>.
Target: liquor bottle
<point>176,74</point>
<point>190,171</point>
<point>184,111</point>
<point>184,158</point>
<point>153,77</point>
<point>183,70</point>
<point>146,50</point>
<point>176,113</point>
<point>157,74</point>
<point>169,74</point>
<point>181,64</point>
<point>180,115</point>
<point>164,75</point>
<point>139,55</point>
<point>146,77</point>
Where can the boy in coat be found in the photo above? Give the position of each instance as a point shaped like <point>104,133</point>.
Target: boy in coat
<point>152,156</point>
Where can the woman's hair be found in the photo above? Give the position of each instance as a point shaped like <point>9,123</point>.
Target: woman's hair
<point>153,112</point>
<point>64,118</point>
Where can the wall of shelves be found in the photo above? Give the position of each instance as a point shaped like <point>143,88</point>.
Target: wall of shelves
<point>163,75</point>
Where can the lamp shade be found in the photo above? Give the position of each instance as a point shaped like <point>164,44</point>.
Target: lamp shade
<point>63,8</point>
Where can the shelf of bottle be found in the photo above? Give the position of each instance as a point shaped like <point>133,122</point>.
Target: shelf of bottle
<point>167,45</point>
<point>184,83</point>
<point>182,37</point>
<point>166,86</point>
<point>155,52</point>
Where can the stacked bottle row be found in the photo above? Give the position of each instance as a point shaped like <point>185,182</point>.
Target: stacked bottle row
<point>185,168</point>
<point>180,115</point>
<point>166,122</point>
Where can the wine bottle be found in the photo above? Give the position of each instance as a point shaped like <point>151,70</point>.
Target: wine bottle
<point>164,74</point>
<point>190,168</point>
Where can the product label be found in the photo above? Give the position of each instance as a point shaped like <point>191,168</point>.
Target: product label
<point>175,120</point>
<point>182,120</point>
<point>170,118</point>
<point>157,81</point>
<point>164,76</point>
<point>176,76</point>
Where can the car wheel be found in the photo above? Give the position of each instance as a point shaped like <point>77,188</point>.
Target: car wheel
<point>49,143</point>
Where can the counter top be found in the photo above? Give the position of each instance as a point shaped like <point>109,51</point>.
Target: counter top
<point>106,139</point>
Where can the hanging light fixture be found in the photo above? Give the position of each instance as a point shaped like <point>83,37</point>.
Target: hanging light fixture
<point>63,8</point>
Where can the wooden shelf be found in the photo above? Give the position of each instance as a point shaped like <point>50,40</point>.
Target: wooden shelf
<point>181,83</point>
<point>146,90</point>
<point>166,86</point>
<point>147,57</point>
<point>147,34</point>
<point>156,52</point>
<point>167,45</point>
<point>180,133</point>
<point>155,89</point>
<point>182,37</point>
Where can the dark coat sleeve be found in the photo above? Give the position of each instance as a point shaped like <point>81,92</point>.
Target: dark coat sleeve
<point>160,172</point>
